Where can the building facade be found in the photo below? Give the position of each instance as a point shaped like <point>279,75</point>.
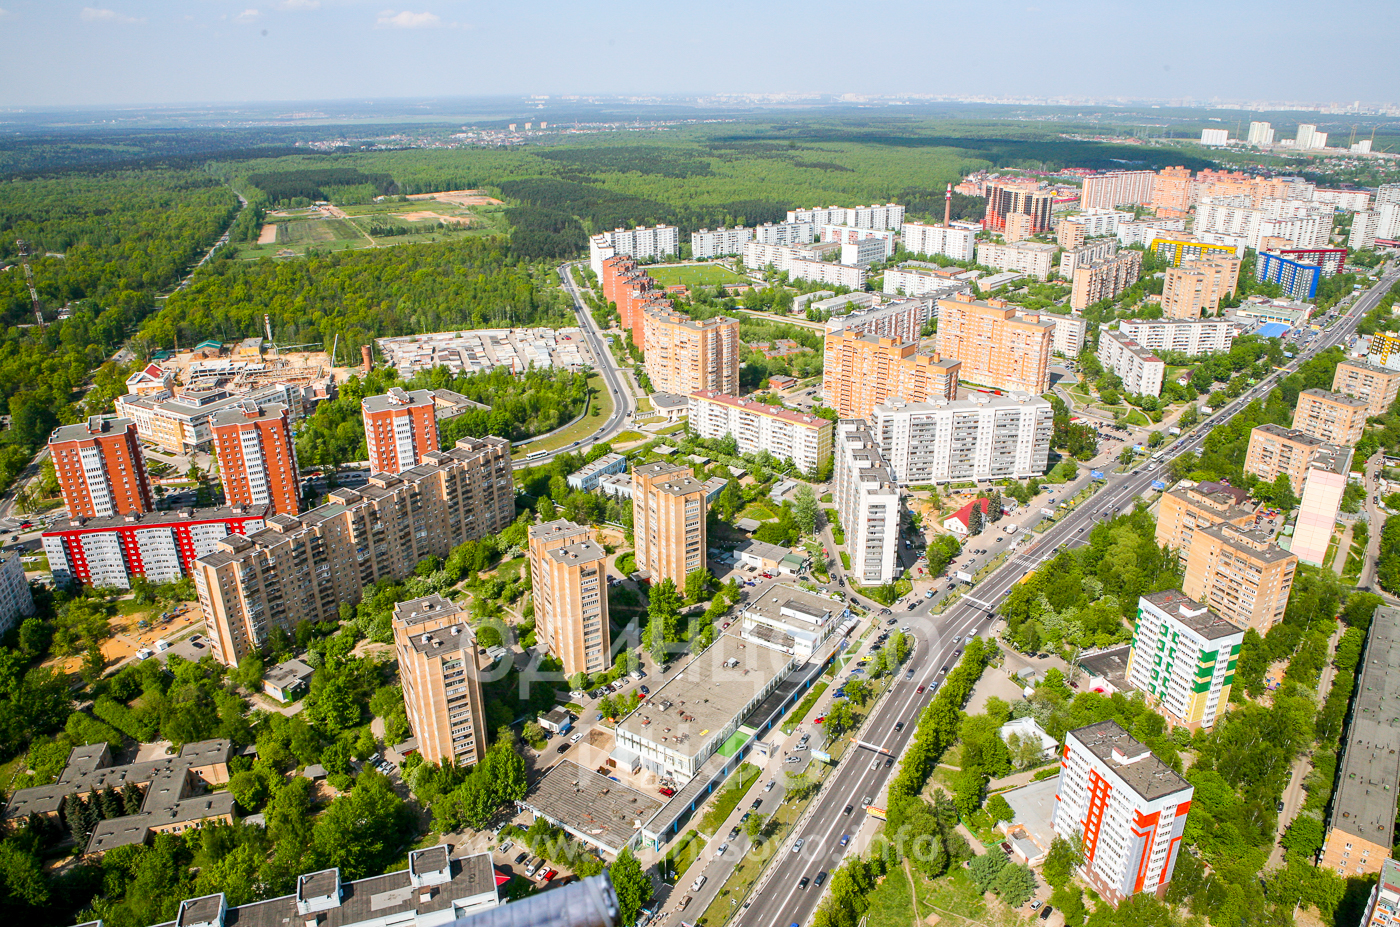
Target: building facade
<point>1274,449</point>
<point>981,438</point>
<point>713,243</point>
<point>1261,134</point>
<point>1183,657</point>
<point>643,243</point>
<point>1104,279</point>
<point>1091,253</point>
<point>757,427</point>
<point>569,576</point>
<point>921,282</point>
<point>441,679</point>
<point>901,319</point>
<point>1298,279</point>
<point>995,346</point>
<point>1241,574</point>
<point>956,241</point>
<point>400,429</point>
<point>301,568</point>
<point>861,371</point>
<point>1195,288</point>
<point>683,355</point>
<point>1376,386</point>
<point>1183,336</point>
<point>1185,511</point>
<point>1117,188</point>
<point>1330,417</point>
<point>100,468</point>
<point>785,233</point>
<point>16,599</point>
<point>1032,258</point>
<point>1140,370</point>
<point>1323,486</point>
<point>1069,334</point>
<point>868,503</point>
<point>888,216</point>
<point>1126,806</point>
<point>1017,196</point>
<point>668,521</point>
<point>258,457</point>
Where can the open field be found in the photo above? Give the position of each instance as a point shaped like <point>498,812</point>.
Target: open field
<point>694,274</point>
<point>290,232</point>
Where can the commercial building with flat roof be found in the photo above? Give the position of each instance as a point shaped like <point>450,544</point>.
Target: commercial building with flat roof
<point>790,620</point>
<point>1183,657</point>
<point>587,477</point>
<point>868,504</point>
<point>1241,574</point>
<point>591,807</point>
<point>1376,386</point>
<point>995,346</point>
<point>983,437</point>
<point>860,371</point>
<point>1330,417</point>
<point>1361,826</point>
<point>757,427</point>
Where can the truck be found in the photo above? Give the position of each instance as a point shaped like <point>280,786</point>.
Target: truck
<point>1173,431</point>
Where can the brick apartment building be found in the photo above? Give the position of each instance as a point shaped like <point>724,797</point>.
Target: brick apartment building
<point>683,355</point>
<point>995,346</point>
<point>570,594</point>
<point>861,371</point>
<point>400,429</point>
<point>668,521</point>
<point>258,457</point>
<point>101,471</point>
<point>1330,417</point>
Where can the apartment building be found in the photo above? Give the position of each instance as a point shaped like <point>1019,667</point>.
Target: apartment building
<point>1178,248</point>
<point>901,319</point>
<point>1140,369</point>
<point>1125,806</point>
<point>984,437</point>
<point>785,233</point>
<point>1117,188</point>
<point>1376,386</point>
<point>1383,907</point>
<point>1009,196</point>
<point>1073,231</point>
<point>1309,138</point>
<point>1183,658</point>
<point>400,429</point>
<point>1245,221</point>
<point>1070,233</point>
<point>1297,278</point>
<point>868,504</point>
<point>642,243</point>
<point>16,599</point>
<point>1195,288</point>
<point>441,679</point>
<point>1323,486</point>
<point>781,257</point>
<point>184,424</point>
<point>1215,138</point>
<point>995,346</point>
<point>1274,449</point>
<point>1100,249</point>
<point>258,457</point>
<point>100,468</point>
<point>668,521</point>
<point>683,354</point>
<point>715,243</point>
<point>1183,336</point>
<point>1032,258</point>
<point>1069,334</point>
<point>1241,574</point>
<point>888,216</point>
<point>300,568</point>
<point>1331,260</point>
<point>1016,227</point>
<point>860,371</point>
<point>1361,822</point>
<point>1184,511</point>
<point>955,240</point>
<point>923,281</point>
<point>1145,231</point>
<point>851,276</point>
<point>1330,417</point>
<point>569,575</point>
<point>1104,279</point>
<point>757,427</point>
<point>1261,134</point>
<point>851,235</point>
<point>1173,192</point>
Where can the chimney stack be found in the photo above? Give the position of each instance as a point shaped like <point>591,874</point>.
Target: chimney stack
<point>367,357</point>
<point>948,207</point>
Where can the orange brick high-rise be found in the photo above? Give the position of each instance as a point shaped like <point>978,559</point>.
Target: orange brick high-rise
<point>257,456</point>
<point>441,680</point>
<point>400,427</point>
<point>995,346</point>
<point>100,469</point>
<point>861,371</point>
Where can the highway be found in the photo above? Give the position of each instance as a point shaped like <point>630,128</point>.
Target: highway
<point>777,901</point>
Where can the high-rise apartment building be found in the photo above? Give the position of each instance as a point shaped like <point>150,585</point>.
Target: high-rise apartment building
<point>1032,258</point>
<point>995,346</point>
<point>16,598</point>
<point>1185,336</point>
<point>1297,279</point>
<point>1173,192</point>
<point>642,243</point>
<point>1117,188</point>
<point>860,371</point>
<point>1070,234</point>
<point>1376,386</point>
<point>100,468</point>
<point>758,427</point>
<point>1140,369</point>
<point>1195,288</point>
<point>1215,138</point>
<point>1104,279</point>
<point>1008,196</point>
<point>441,679</point>
<point>1323,486</point>
<point>1016,227</point>
<point>901,319</point>
<point>300,568</point>
<point>1361,820</point>
<point>888,216</point>
<point>1125,806</point>
<point>668,521</point>
<point>1177,248</point>
<point>1261,134</point>
<point>955,240</point>
<point>919,281</point>
<point>1184,511</point>
<point>1183,657</point>
<point>1241,574</point>
<point>1069,334</point>
<point>1383,907</point>
<point>1309,138</point>
<point>400,429</point>
<point>683,355</point>
<point>1274,449</point>
<point>712,243</point>
<point>1098,250</point>
<point>984,437</point>
<point>1330,417</point>
<point>785,233</point>
<point>258,457</point>
<point>868,504</point>
<point>568,574</point>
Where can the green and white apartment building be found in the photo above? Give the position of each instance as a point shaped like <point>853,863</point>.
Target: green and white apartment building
<point>1183,657</point>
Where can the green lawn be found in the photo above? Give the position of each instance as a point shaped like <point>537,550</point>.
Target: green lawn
<point>583,428</point>
<point>729,797</point>
<point>692,274</point>
<point>685,852</point>
<point>804,706</point>
<point>891,901</point>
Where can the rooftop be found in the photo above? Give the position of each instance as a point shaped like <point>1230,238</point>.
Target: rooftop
<point>1195,616</point>
<point>1257,544</point>
<point>397,398</point>
<point>582,552</point>
<point>592,806</point>
<point>94,426</point>
<point>182,516</point>
<point>1130,760</point>
<point>1336,398</point>
<point>759,408</point>
<point>1364,804</point>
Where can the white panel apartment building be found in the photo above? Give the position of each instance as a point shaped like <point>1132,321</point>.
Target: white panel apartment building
<point>16,600</point>
<point>867,501</point>
<point>889,216</point>
<point>1032,258</point>
<point>922,281</point>
<point>847,275</point>
<point>1140,369</point>
<point>1226,218</point>
<point>1069,334</point>
<point>1084,255</point>
<point>1143,231</point>
<point>708,243</point>
<point>1099,222</point>
<point>1127,807</point>
<point>785,233</point>
<point>900,319</point>
<point>787,435</point>
<point>1189,336</point>
<point>985,437</point>
<point>642,243</point>
<point>851,235</point>
<point>1117,188</point>
<point>956,241</point>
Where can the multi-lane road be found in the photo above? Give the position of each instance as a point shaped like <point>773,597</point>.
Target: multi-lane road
<point>778,901</point>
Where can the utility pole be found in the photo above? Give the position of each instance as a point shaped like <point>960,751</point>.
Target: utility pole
<point>23,247</point>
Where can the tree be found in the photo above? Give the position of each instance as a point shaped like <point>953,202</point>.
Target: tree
<point>697,584</point>
<point>975,519</point>
<point>1060,863</point>
<point>994,506</point>
<point>969,786</point>
<point>840,718</point>
<point>858,691</point>
<point>632,885</point>
<point>805,509</point>
<point>1000,809</point>
<point>1015,884</point>
<point>754,828</point>
<point>532,733</point>
<point>578,682</point>
<point>984,869</point>
<point>800,785</point>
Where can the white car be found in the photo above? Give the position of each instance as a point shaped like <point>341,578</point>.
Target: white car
<point>576,738</point>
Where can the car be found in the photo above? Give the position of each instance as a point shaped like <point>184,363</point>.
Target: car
<point>906,629</point>
<point>911,608</point>
<point>684,903</point>
<point>845,839</point>
<point>865,802</point>
<point>884,611</point>
<point>957,653</point>
<point>667,791</point>
<point>929,594</point>
<point>891,623</point>
<point>744,817</point>
<point>875,763</point>
<point>908,674</point>
<point>1045,912</point>
<point>1006,848</point>
<point>521,858</point>
<point>723,848</point>
<point>797,844</point>
<point>889,761</point>
<point>576,738</point>
<point>820,719</point>
<point>848,809</point>
<point>769,786</point>
<point>1036,903</point>
<point>733,832</point>
<point>919,691</point>
<point>803,883</point>
<point>644,690</point>
<point>562,748</point>
<point>535,865</point>
<point>1280,807</point>
<point>756,804</point>
<point>548,874</point>
<point>794,759</point>
<point>698,884</point>
<point>898,726</point>
<point>943,669</point>
<point>821,877</point>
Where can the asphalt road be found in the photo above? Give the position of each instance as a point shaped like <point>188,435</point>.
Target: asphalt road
<point>777,900</point>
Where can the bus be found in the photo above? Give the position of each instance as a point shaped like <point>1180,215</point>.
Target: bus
<point>536,455</point>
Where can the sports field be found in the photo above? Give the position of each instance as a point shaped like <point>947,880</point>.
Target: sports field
<point>694,274</point>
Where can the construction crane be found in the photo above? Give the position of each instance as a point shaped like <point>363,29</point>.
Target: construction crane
<point>23,247</point>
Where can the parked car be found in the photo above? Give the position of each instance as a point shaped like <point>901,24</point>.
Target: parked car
<point>1045,913</point>
<point>521,858</point>
<point>505,847</point>
<point>562,748</point>
<point>756,804</point>
<point>667,791</point>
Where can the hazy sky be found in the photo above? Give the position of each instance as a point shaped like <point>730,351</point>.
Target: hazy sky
<point>85,52</point>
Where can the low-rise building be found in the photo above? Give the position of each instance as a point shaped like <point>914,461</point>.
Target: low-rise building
<point>1140,369</point>
<point>756,427</point>
<point>984,437</point>
<point>788,619</point>
<point>960,522</point>
<point>1183,657</point>
<point>587,478</point>
<point>288,680</point>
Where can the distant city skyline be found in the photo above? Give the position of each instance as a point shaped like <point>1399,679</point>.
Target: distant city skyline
<point>99,53</point>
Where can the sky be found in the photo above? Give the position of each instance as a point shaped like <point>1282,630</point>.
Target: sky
<point>156,52</point>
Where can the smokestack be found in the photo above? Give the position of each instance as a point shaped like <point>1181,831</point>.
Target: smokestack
<point>366,357</point>
<point>948,206</point>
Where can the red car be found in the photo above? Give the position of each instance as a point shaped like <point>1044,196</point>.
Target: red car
<point>549,874</point>
<point>820,720</point>
<point>919,690</point>
<point>668,792</point>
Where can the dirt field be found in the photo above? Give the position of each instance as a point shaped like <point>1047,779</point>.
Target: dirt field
<point>460,197</point>
<point>426,215</point>
<point>268,235</point>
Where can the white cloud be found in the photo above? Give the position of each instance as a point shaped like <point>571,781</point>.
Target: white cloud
<point>246,16</point>
<point>408,20</point>
<point>94,15</point>
<point>299,5</point>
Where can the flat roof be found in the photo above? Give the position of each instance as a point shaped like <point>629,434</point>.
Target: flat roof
<point>1370,765</point>
<point>80,432</point>
<point>592,806</point>
<point>1254,543</point>
<point>1290,434</point>
<point>1187,611</point>
<point>397,398</point>
<point>1143,772</point>
<point>582,552</point>
<point>785,604</point>
<point>162,519</point>
<point>1339,398</point>
<point>706,695</point>
<point>759,408</point>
